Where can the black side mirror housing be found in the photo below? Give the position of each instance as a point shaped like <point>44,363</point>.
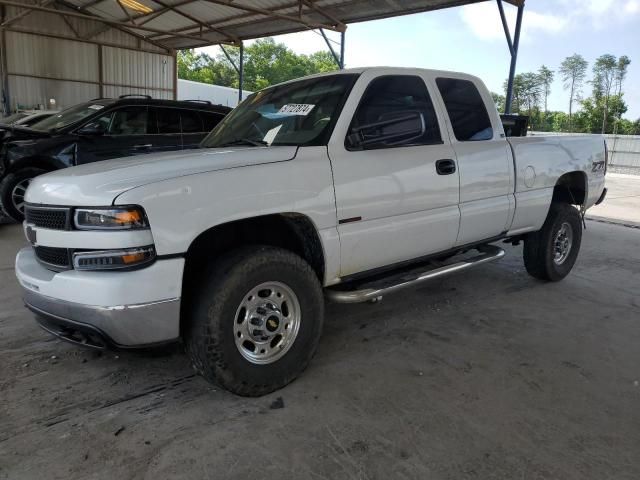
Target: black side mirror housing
<point>402,127</point>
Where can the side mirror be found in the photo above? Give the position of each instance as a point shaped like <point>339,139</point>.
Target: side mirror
<point>398,127</point>
<point>93,128</point>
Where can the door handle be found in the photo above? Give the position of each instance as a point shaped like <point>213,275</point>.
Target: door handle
<point>140,147</point>
<point>445,166</point>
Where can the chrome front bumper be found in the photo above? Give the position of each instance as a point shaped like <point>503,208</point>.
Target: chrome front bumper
<point>105,309</point>
<point>126,326</point>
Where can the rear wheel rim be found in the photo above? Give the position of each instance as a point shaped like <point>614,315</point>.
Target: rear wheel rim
<point>267,322</point>
<point>18,192</point>
<point>562,243</point>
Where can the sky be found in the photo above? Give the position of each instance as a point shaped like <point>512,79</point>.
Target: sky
<point>471,39</point>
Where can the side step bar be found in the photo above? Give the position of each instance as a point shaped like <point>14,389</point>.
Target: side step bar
<point>373,291</point>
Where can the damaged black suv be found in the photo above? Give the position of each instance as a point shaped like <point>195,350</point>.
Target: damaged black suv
<point>100,129</point>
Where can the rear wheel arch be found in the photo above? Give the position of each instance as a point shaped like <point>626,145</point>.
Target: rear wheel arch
<point>571,188</point>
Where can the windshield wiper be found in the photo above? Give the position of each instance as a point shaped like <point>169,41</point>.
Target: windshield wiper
<point>245,141</point>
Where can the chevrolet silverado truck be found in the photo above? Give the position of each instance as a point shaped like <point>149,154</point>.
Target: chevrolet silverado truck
<point>346,186</point>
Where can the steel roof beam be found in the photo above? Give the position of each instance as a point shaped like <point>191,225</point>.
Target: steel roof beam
<point>271,13</point>
<point>24,13</point>
<point>249,14</point>
<point>231,38</point>
<point>147,17</point>
<point>341,27</point>
<point>68,22</point>
<point>115,23</point>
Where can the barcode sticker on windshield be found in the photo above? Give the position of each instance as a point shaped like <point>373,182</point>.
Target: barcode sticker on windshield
<point>96,107</point>
<point>296,109</point>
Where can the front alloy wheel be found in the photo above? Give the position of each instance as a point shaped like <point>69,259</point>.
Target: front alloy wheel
<point>267,322</point>
<point>256,321</point>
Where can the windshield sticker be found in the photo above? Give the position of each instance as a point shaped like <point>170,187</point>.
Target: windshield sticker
<point>271,134</point>
<point>96,107</point>
<point>296,109</point>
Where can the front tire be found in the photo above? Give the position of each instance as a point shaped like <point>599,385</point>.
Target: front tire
<point>12,190</point>
<point>550,253</point>
<point>256,321</point>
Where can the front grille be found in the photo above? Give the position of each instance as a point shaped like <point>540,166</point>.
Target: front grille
<point>57,257</point>
<point>53,218</point>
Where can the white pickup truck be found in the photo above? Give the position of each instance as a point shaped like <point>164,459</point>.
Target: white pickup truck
<point>347,185</point>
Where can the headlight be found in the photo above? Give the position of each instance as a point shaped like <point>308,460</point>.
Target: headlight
<point>110,218</point>
<point>113,259</point>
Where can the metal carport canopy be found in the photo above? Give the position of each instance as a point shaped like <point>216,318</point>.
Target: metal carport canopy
<point>180,24</point>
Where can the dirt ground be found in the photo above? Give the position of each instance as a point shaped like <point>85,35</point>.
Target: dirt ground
<point>487,375</point>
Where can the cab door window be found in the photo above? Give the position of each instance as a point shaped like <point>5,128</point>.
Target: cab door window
<point>129,121</point>
<point>395,111</point>
<point>191,122</point>
<point>168,120</point>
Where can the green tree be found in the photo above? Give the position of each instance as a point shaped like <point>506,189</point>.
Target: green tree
<point>545,76</point>
<point>499,100</point>
<point>204,68</point>
<point>627,127</point>
<point>621,72</point>
<point>265,63</point>
<point>558,121</point>
<point>573,71</point>
<point>605,70</point>
<point>589,119</point>
<point>518,89</point>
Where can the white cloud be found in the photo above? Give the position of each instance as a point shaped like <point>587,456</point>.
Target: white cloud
<point>632,7</point>
<point>484,21</point>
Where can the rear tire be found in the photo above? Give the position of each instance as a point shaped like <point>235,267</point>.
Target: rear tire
<point>551,252</point>
<point>256,321</point>
<point>12,190</point>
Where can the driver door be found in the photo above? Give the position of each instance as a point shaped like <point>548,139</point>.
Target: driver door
<point>397,199</point>
<point>126,133</point>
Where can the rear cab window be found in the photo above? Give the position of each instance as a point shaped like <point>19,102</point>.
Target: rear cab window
<point>467,111</point>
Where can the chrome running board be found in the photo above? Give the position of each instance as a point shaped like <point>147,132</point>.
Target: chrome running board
<point>373,291</point>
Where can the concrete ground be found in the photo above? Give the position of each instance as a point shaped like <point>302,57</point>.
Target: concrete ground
<point>622,203</point>
<point>487,375</point>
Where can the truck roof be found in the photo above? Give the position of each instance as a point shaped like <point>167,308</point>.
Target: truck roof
<point>381,70</point>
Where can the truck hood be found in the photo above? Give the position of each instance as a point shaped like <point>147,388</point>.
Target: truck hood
<point>101,182</point>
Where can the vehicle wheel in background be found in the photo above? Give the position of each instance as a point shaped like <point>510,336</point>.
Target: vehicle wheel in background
<point>550,253</point>
<point>12,190</point>
<point>256,321</point>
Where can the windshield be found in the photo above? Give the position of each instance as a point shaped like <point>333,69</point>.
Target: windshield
<point>297,113</point>
<point>13,118</point>
<point>67,117</point>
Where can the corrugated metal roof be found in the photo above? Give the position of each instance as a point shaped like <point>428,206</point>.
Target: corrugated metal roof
<point>196,23</point>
